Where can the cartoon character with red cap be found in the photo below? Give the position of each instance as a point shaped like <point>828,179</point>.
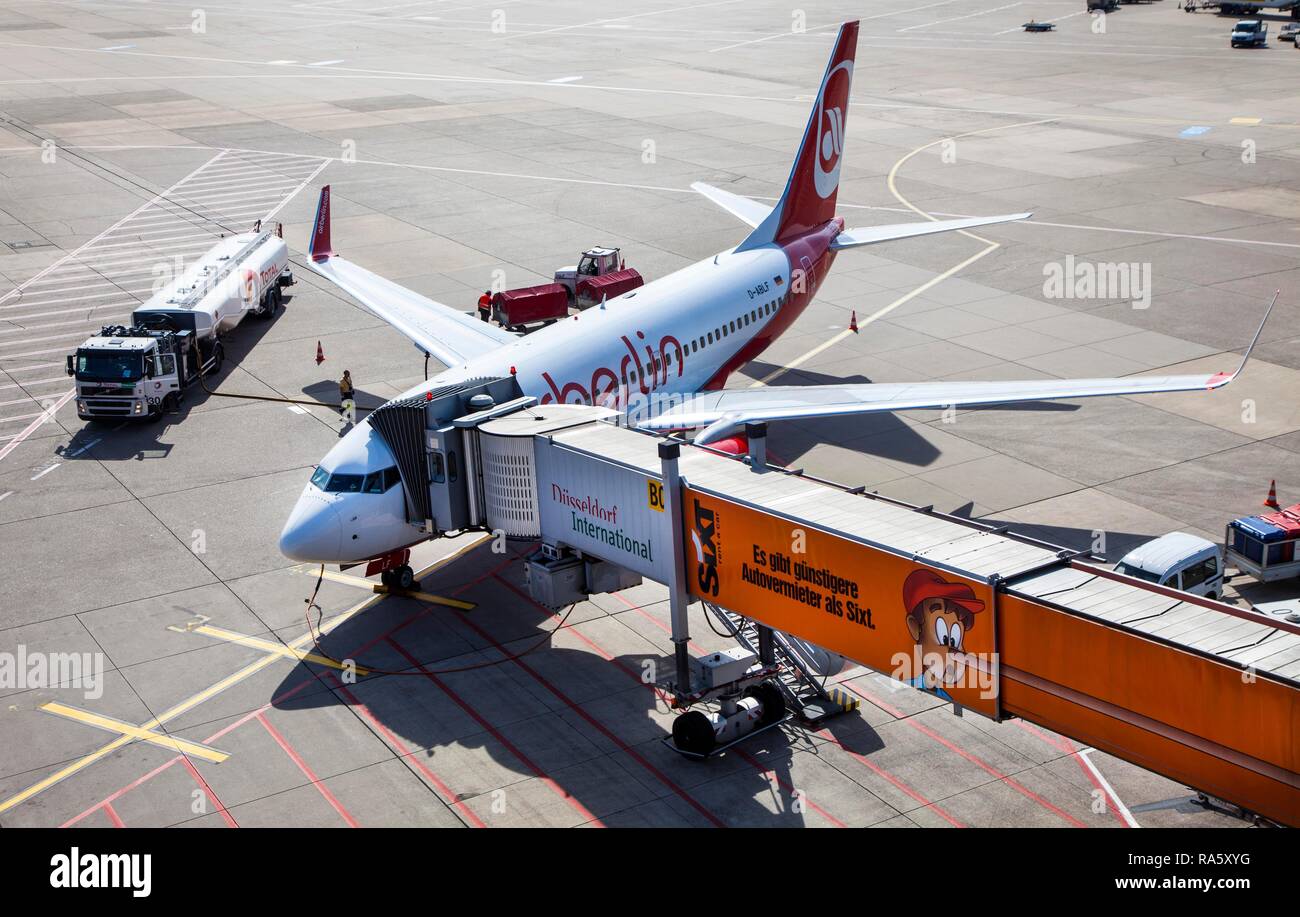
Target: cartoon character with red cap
<point>939,614</point>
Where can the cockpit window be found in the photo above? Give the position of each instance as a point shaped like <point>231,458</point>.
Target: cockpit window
<point>344,484</point>
<point>376,482</point>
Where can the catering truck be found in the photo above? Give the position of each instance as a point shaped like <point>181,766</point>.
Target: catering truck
<point>141,370</point>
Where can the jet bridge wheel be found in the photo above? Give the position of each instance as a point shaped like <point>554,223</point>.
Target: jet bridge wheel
<point>693,733</point>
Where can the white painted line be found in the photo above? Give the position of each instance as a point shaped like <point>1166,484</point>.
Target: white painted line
<point>1105,784</point>
<point>37,382</point>
<point>925,25</point>
<point>326,63</point>
<point>87,446</point>
<point>41,474</point>
<point>27,304</point>
<point>49,337</point>
<point>117,48</point>
<point>7,493</point>
<point>1057,19</point>
<point>320,168</point>
<point>145,206</point>
<point>281,63</point>
<point>27,369</point>
<point>565,79</point>
<point>297,409</point>
<point>18,417</point>
<point>32,427</point>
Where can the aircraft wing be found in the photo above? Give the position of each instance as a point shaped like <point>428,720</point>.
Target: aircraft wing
<point>440,330</point>
<point>724,413</point>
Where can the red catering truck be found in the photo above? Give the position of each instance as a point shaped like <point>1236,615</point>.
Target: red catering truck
<point>517,309</point>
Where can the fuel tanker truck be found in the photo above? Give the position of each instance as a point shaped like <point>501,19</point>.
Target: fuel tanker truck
<point>141,370</point>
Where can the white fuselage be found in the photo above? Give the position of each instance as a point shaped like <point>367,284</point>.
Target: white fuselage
<point>665,340</point>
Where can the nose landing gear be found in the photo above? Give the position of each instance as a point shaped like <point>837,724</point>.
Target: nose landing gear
<point>394,570</point>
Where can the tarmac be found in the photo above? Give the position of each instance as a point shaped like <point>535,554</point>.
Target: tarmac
<point>462,141</point>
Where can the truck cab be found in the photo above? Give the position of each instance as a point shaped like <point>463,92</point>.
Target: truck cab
<point>1178,561</point>
<point>595,262</point>
<point>1250,33</point>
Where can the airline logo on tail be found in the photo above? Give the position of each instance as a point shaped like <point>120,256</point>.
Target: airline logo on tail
<point>809,198</point>
<point>826,175</point>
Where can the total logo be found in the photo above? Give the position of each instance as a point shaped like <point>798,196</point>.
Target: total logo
<point>830,121</point>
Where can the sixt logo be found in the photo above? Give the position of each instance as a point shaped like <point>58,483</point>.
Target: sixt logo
<point>703,536</point>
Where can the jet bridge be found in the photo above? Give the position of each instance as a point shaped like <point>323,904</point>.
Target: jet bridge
<point>803,572</point>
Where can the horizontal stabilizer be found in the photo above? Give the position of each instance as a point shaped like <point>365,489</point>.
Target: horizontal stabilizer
<point>870,235</point>
<point>747,211</point>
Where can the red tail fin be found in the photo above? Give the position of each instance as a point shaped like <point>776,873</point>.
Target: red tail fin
<point>320,249</point>
<point>809,198</point>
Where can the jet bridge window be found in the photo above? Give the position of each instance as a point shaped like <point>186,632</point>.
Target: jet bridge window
<point>436,471</point>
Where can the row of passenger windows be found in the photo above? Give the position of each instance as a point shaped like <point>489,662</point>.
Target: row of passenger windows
<point>729,328</point>
<point>714,336</point>
<point>376,482</point>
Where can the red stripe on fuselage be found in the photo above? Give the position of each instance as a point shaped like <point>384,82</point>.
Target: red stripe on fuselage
<point>812,248</point>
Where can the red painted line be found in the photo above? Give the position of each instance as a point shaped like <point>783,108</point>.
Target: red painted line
<point>1065,745</point>
<point>897,782</point>
<point>655,621</point>
<point>1008,780</point>
<point>308,772</point>
<point>578,807</point>
<point>637,678</point>
<point>439,786</point>
<point>775,778</point>
<point>564,698</point>
<point>203,785</point>
<point>113,817</point>
<point>290,692</point>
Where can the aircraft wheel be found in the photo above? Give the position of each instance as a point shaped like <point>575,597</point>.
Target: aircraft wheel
<point>404,577</point>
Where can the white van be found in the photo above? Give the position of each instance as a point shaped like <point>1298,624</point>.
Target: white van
<point>1179,561</point>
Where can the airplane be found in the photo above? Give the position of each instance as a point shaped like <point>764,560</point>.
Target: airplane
<point>680,336</point>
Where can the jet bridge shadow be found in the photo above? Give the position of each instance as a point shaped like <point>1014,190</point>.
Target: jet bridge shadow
<point>567,709</point>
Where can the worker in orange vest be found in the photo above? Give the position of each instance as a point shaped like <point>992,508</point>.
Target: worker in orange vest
<point>485,305</point>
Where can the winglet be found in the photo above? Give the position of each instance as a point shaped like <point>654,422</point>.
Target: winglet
<point>1258,332</point>
<point>320,249</point>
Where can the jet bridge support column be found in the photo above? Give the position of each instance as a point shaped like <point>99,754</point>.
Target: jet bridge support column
<point>756,436</point>
<point>669,451</point>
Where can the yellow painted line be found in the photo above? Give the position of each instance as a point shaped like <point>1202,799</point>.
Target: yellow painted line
<point>270,646</point>
<point>381,589</point>
<point>1246,121</point>
<point>990,246</point>
<point>230,680</point>
<point>128,731</point>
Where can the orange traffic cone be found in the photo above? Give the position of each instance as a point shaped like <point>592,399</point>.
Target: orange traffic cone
<point>853,321</point>
<point>1271,502</point>
<point>320,354</point>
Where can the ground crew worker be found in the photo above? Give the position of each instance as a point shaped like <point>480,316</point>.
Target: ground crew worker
<point>485,305</point>
<point>347,398</point>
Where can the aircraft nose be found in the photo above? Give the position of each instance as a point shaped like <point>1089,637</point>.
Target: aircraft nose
<point>313,533</point>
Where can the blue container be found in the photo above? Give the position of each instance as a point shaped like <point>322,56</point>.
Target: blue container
<point>1258,529</point>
